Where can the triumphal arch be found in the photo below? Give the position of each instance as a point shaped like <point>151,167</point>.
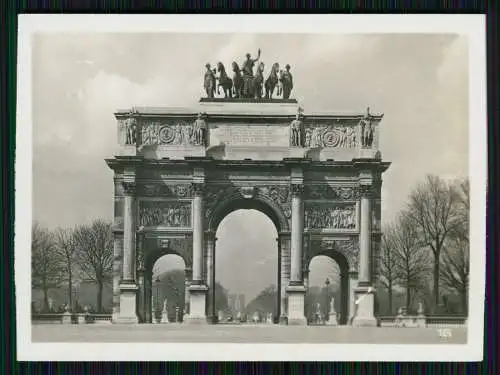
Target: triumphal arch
<point>179,171</point>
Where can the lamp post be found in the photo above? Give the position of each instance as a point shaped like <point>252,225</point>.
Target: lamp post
<point>327,297</point>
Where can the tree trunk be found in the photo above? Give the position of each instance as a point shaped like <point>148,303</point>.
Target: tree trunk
<point>408,299</point>
<point>465,309</point>
<point>389,293</point>
<point>435,290</point>
<point>99,296</point>
<point>70,290</point>
<point>45,298</point>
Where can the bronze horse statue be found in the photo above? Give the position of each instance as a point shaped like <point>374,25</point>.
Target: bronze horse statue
<point>237,81</point>
<point>224,81</point>
<point>272,81</point>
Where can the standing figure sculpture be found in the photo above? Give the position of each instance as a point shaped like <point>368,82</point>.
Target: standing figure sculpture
<point>237,81</point>
<point>296,131</point>
<point>287,82</point>
<point>224,81</point>
<point>247,69</point>
<point>130,131</point>
<point>366,130</point>
<point>279,92</point>
<point>209,81</point>
<point>200,130</point>
<point>272,81</point>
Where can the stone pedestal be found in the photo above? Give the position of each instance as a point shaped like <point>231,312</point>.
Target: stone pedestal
<point>420,321</point>
<point>128,304</point>
<point>81,318</point>
<point>164,317</point>
<point>296,298</point>
<point>364,308</point>
<point>332,319</point>
<point>66,318</point>
<point>197,299</point>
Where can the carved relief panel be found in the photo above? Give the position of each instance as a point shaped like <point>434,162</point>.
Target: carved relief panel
<point>330,136</point>
<point>127,131</point>
<point>321,216</point>
<point>165,214</point>
<point>328,192</point>
<point>166,190</point>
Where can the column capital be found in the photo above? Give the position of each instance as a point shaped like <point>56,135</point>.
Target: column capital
<point>210,235</point>
<point>129,187</point>
<point>297,190</point>
<point>366,190</point>
<point>198,188</point>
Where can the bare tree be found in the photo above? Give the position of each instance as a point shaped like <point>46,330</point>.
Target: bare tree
<point>411,256</point>
<point>388,266</point>
<point>455,262</point>
<point>431,209</point>
<point>95,254</point>
<point>65,247</point>
<point>46,269</point>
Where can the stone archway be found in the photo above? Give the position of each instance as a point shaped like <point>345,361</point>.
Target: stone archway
<point>244,198</point>
<point>345,276</point>
<point>146,282</point>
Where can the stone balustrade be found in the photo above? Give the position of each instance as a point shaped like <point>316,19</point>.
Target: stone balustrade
<point>69,318</point>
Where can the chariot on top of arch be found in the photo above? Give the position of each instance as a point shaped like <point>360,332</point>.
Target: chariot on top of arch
<point>247,84</point>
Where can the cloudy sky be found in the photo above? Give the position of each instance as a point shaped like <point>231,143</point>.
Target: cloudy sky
<point>418,81</point>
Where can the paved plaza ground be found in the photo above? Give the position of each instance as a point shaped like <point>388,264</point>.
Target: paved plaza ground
<point>156,333</point>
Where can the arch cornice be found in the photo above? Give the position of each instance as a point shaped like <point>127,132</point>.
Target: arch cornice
<point>157,245</point>
<point>348,248</point>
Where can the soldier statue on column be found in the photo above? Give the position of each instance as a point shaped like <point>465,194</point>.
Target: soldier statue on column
<point>200,130</point>
<point>296,130</point>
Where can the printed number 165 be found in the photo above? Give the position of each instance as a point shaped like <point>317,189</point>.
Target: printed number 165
<point>444,332</point>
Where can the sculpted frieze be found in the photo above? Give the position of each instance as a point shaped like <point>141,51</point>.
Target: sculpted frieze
<point>330,136</point>
<point>278,193</point>
<point>324,191</point>
<point>169,190</point>
<point>318,216</point>
<point>163,213</point>
<point>181,132</point>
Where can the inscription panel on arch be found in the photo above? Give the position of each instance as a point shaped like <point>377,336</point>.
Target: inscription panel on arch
<point>171,214</point>
<point>250,135</point>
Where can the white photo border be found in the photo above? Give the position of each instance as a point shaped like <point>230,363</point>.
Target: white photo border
<point>472,26</point>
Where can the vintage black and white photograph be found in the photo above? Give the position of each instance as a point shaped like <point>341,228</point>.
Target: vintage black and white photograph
<point>250,182</point>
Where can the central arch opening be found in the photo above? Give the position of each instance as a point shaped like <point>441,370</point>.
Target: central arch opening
<point>246,267</point>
